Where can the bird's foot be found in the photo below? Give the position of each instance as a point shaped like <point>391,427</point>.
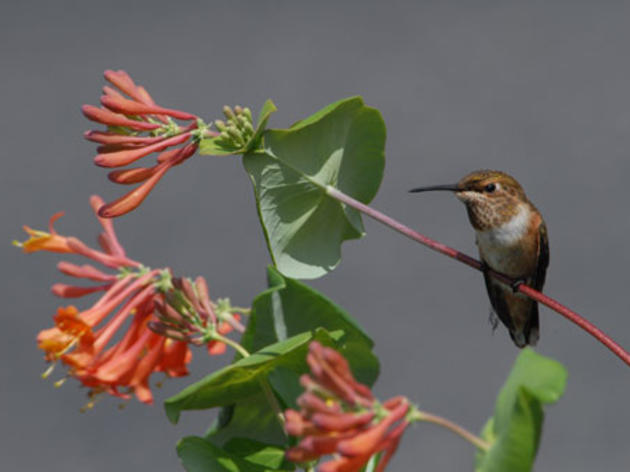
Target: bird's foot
<point>516,284</point>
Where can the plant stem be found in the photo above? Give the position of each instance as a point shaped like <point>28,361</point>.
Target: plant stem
<point>454,427</point>
<point>224,339</point>
<point>273,402</point>
<point>241,310</point>
<point>556,306</point>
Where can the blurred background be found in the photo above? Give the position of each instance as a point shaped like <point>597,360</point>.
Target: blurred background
<point>538,89</point>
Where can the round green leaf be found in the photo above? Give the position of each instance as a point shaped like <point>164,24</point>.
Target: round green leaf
<point>342,146</point>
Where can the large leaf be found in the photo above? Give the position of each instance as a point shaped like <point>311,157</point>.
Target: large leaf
<point>248,418</point>
<point>514,430</point>
<point>343,146</point>
<point>199,455</point>
<point>289,307</point>
<point>286,309</point>
<point>242,378</point>
<point>259,453</point>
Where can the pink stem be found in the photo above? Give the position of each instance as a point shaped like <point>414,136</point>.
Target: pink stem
<point>556,306</point>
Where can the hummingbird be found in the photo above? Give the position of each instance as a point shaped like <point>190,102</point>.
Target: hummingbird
<point>511,236</point>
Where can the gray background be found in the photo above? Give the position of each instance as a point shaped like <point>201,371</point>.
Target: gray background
<point>537,89</point>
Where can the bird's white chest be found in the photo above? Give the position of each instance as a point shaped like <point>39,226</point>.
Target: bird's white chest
<point>500,246</point>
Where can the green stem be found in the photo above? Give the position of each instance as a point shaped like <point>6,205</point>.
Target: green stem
<point>241,310</point>
<point>480,443</point>
<point>273,402</point>
<point>223,339</point>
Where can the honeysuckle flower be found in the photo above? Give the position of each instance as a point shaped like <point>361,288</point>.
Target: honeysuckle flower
<point>108,347</point>
<point>340,417</point>
<point>45,241</point>
<point>136,128</point>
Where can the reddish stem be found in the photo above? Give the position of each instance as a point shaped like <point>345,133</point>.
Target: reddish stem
<point>556,306</point>
<point>455,428</point>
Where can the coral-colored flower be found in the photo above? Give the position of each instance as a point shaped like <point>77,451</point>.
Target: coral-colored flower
<point>123,142</point>
<point>340,416</point>
<point>45,241</point>
<point>69,330</point>
<point>109,346</point>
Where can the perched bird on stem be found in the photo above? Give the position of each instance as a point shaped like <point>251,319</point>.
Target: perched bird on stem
<point>512,239</point>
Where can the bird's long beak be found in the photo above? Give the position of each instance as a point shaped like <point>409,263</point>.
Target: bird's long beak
<point>447,187</point>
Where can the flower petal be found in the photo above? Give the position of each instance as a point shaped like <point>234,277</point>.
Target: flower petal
<point>127,156</point>
<point>341,421</point>
<point>74,291</point>
<point>132,176</point>
<point>369,441</point>
<point>125,83</point>
<point>106,137</point>
<point>110,118</point>
<point>85,271</point>
<point>130,107</point>
<point>131,200</point>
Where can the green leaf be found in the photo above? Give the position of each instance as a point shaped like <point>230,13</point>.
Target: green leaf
<point>258,453</point>
<point>199,455</point>
<point>514,430</point>
<point>265,112</point>
<point>290,307</point>
<point>286,309</point>
<point>242,378</point>
<point>343,146</point>
<point>214,146</point>
<point>251,418</point>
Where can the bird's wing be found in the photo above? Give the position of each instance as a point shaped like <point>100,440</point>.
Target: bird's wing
<point>543,258</point>
<point>532,330</point>
<point>497,298</point>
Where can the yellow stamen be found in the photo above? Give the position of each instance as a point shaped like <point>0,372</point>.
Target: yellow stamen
<point>49,370</point>
<point>60,382</point>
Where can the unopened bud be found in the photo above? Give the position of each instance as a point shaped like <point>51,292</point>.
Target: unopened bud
<point>245,125</point>
<point>189,291</point>
<point>229,114</point>
<point>168,314</point>
<point>248,114</point>
<point>163,330</point>
<point>220,124</point>
<point>235,135</point>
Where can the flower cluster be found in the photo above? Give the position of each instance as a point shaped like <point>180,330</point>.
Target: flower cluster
<point>188,314</point>
<point>137,127</point>
<point>340,416</point>
<point>110,347</point>
<point>237,131</point>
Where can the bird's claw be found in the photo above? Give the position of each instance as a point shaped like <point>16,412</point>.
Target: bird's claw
<point>516,284</point>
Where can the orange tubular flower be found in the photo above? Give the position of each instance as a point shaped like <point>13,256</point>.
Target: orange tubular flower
<point>97,345</point>
<point>339,416</point>
<point>43,241</point>
<point>123,143</point>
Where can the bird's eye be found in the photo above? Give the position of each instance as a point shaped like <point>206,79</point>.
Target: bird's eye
<point>490,188</point>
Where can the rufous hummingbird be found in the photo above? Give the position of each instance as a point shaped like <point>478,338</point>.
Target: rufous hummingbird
<point>512,239</point>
